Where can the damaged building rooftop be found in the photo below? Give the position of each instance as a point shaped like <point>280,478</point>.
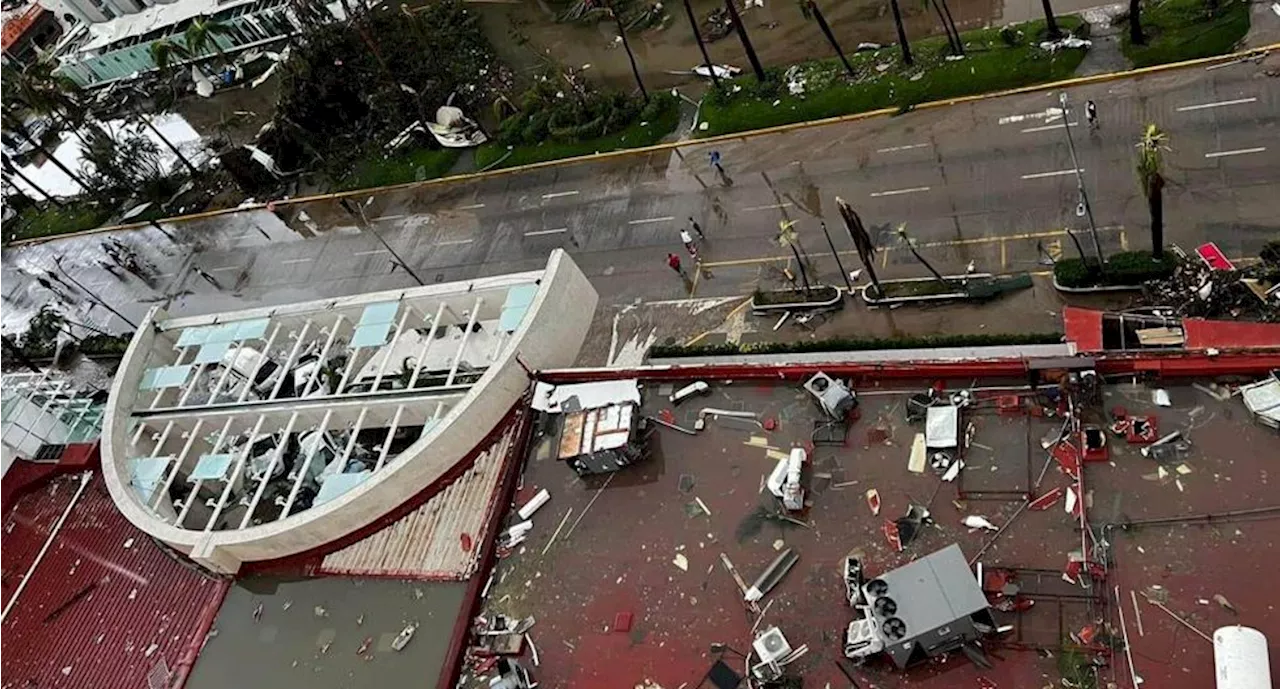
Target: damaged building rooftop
<point>1072,522</point>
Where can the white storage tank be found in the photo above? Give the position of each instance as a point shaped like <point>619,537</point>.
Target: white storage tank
<point>1240,658</point>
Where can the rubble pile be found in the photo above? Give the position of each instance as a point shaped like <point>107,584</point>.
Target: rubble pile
<point>1198,291</point>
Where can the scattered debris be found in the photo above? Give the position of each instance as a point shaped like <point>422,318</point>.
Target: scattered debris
<point>703,505</point>
<point>404,637</point>
<point>689,391</point>
<point>1137,612</point>
<point>974,521</point>
<point>918,456</point>
<point>873,501</point>
<point>1226,604</point>
<point>1160,397</point>
<point>257,613</point>
<point>537,501</point>
<point>681,561</point>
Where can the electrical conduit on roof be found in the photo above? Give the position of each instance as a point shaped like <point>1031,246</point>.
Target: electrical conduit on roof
<point>26,578</point>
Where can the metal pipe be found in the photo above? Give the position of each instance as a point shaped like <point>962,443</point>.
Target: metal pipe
<point>991,541</point>
<point>57,528</point>
<point>226,372</point>
<point>262,357</point>
<point>351,442</point>
<point>324,355</point>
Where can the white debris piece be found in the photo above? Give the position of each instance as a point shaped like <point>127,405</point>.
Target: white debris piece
<point>536,502</point>
<point>974,521</point>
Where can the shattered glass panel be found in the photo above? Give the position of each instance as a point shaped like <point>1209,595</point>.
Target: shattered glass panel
<point>193,336</point>
<point>164,377</point>
<point>211,467</point>
<point>371,335</point>
<point>379,313</point>
<point>212,352</point>
<point>337,484</point>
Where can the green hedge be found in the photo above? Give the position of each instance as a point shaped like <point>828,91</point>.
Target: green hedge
<point>408,166</point>
<point>855,344</point>
<point>1125,268</point>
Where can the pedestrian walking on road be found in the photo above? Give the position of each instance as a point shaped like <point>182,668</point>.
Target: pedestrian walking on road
<point>715,162</point>
<point>201,272</point>
<point>1091,114</point>
<point>673,262</point>
<point>689,244</point>
<point>697,228</point>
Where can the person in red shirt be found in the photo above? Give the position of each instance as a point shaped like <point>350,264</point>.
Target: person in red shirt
<point>673,261</point>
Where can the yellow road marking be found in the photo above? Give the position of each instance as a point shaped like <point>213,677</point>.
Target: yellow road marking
<point>736,310</point>
<point>1004,255</point>
<point>1054,249</point>
<point>1124,241</point>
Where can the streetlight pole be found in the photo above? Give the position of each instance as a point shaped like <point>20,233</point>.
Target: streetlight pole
<point>394,256</point>
<point>1084,196</point>
<point>57,261</point>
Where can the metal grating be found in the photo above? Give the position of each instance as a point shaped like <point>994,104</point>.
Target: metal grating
<point>427,543</point>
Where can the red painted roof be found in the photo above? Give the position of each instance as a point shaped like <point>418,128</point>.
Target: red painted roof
<point>105,605</point>
<point>1203,334</point>
<point>14,28</point>
<point>1083,327</point>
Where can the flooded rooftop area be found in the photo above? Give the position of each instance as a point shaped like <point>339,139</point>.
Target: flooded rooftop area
<point>637,577</point>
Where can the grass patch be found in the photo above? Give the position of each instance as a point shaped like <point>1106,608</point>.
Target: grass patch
<point>855,344</point>
<point>921,288</point>
<point>817,294</point>
<point>46,220</point>
<point>1179,30</point>
<point>410,166</point>
<point>994,61</point>
<point>637,134</point>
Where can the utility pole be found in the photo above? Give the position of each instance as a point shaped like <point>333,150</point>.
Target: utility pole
<point>394,256</point>
<point>1075,164</point>
<point>57,261</point>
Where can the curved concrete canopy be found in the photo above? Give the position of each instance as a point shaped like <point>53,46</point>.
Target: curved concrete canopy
<point>264,433</point>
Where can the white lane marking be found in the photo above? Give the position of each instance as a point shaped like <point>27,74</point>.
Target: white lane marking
<point>223,269</point>
<point>649,220</point>
<point>1219,104</point>
<point>166,275</point>
<point>558,194</point>
<point>538,233</point>
<point>390,217</point>
<point>296,260</point>
<point>371,252</point>
<point>1048,115</point>
<point>769,207</point>
<point>1055,173</point>
<point>1243,151</point>
<point>891,149</point>
<point>1047,127</point>
<point>895,192</point>
<point>471,207</point>
<point>449,242</point>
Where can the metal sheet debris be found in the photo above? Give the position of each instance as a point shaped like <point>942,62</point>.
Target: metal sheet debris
<point>579,396</point>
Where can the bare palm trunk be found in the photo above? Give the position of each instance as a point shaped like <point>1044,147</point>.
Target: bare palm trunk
<point>942,19</point>
<point>1135,23</point>
<point>1155,204</point>
<point>40,148</point>
<point>1051,21</point>
<point>831,38</point>
<point>13,170</point>
<point>746,40</point>
<point>697,36</point>
<point>911,247</point>
<point>954,29</point>
<point>902,33</point>
<point>804,274</point>
<point>147,121</point>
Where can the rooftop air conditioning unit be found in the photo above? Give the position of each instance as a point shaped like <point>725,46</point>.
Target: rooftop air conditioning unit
<point>771,646</point>
<point>862,639</point>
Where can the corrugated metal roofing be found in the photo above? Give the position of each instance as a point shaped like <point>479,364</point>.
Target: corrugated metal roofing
<point>105,606</point>
<point>441,539</point>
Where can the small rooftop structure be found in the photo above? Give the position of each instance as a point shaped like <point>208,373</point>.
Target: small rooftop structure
<point>44,413</point>
<point>266,433</point>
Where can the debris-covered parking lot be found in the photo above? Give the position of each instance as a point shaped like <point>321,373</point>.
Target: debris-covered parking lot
<point>631,577</point>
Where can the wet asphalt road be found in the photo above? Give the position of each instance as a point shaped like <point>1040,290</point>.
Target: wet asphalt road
<point>982,182</point>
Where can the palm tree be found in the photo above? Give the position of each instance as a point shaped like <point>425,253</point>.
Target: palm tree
<point>816,13</point>
<point>911,246</point>
<point>861,241</point>
<point>41,90</point>
<point>902,33</point>
<point>166,51</point>
<point>952,40</point>
<point>13,171</point>
<point>746,40</point>
<point>1050,21</point>
<point>1151,178</point>
<point>201,36</point>
<point>12,121</point>
<point>1135,23</point>
<point>789,238</point>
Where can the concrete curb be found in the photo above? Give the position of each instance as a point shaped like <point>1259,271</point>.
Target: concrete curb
<point>673,145</point>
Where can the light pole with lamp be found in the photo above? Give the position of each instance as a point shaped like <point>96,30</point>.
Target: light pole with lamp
<point>1075,165</point>
<point>57,261</point>
<point>394,256</point>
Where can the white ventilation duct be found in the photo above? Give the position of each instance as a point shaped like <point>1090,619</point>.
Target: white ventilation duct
<point>1240,658</point>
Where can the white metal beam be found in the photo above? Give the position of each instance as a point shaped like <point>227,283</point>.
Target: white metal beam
<point>395,339</point>
<point>191,385</point>
<point>351,442</point>
<point>235,474</point>
<point>422,355</point>
<point>324,355</point>
<point>462,345</point>
<point>266,477</point>
<point>226,372</point>
<point>253,375</point>
<point>195,488</point>
<point>293,356</point>
<point>302,471</point>
<point>386,445</point>
<point>177,464</point>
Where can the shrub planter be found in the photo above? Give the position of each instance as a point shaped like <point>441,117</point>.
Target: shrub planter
<point>912,290</point>
<point>1124,272</point>
<point>820,297</point>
